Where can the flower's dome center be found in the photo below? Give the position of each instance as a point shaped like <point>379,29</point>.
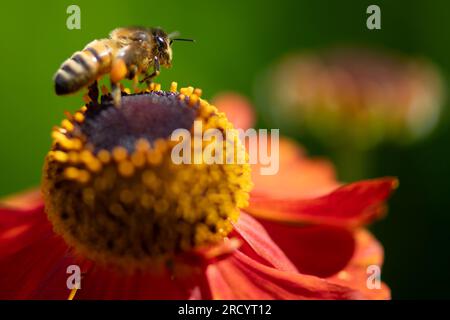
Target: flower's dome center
<point>148,116</point>
<point>114,193</point>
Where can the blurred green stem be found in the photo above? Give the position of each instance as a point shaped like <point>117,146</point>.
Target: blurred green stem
<point>352,163</point>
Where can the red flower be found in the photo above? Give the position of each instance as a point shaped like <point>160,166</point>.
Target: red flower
<point>306,242</point>
<point>358,96</point>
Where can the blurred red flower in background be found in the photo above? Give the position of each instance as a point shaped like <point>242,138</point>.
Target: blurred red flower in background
<point>357,96</point>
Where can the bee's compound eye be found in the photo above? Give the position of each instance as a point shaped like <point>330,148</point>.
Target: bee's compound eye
<point>142,36</point>
<point>160,41</point>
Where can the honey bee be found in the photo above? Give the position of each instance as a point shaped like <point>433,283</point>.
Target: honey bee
<point>127,54</point>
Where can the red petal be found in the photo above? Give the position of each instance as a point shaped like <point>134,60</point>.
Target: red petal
<point>350,205</point>
<point>316,249</point>
<point>106,283</point>
<point>297,176</point>
<point>38,271</point>
<point>257,239</point>
<point>240,277</point>
<point>369,252</point>
<point>27,200</point>
<point>32,255</point>
<point>28,240</point>
<point>34,263</point>
<point>215,251</point>
<point>237,109</point>
<point>19,228</point>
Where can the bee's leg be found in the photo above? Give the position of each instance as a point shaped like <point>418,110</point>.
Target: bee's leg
<point>116,94</point>
<point>93,92</point>
<point>119,71</point>
<point>135,84</point>
<point>155,73</point>
<point>133,75</point>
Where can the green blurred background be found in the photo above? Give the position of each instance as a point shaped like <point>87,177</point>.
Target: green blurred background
<point>236,40</point>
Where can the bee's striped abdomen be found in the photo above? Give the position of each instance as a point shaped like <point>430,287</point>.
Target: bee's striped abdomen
<point>84,67</point>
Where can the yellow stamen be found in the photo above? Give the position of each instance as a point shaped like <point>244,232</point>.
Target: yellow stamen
<point>173,87</point>
<point>79,117</point>
<point>154,157</point>
<point>60,156</point>
<point>66,143</point>
<point>193,99</point>
<point>73,157</point>
<point>142,145</point>
<point>120,154</point>
<point>126,168</point>
<point>138,159</point>
<point>66,124</point>
<point>187,91</point>
<point>198,92</point>
<point>71,173</point>
<point>104,156</point>
<point>72,294</point>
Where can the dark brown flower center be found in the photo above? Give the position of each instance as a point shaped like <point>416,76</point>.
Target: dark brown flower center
<point>142,116</point>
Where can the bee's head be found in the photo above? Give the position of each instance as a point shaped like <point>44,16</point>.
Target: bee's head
<point>161,47</point>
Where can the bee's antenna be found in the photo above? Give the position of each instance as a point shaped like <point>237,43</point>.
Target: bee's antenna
<point>181,39</point>
<point>174,34</point>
